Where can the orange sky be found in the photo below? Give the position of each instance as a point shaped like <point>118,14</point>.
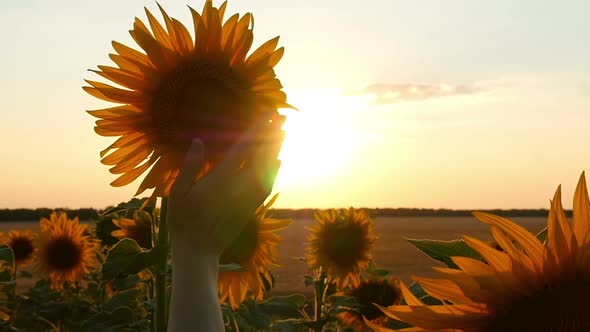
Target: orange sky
<point>402,103</point>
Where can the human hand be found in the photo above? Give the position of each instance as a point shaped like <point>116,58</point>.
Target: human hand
<point>209,214</point>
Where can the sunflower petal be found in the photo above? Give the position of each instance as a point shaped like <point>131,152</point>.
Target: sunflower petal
<point>264,49</point>
<point>123,79</point>
<point>221,10</point>
<point>437,316</point>
<point>114,94</point>
<point>132,175</point>
<point>130,54</point>
<point>116,112</point>
<point>559,234</point>
<point>520,235</point>
<point>158,54</point>
<point>159,32</point>
<point>183,37</point>
<point>125,140</point>
<point>228,32</point>
<point>443,289</point>
<point>131,160</point>
<point>582,212</point>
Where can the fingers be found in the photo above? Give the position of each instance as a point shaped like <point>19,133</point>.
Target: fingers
<point>236,155</point>
<point>193,162</point>
<point>256,180</point>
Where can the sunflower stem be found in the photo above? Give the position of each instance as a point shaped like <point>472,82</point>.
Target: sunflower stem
<point>319,294</point>
<point>161,311</point>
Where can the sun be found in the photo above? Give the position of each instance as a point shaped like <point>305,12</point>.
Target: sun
<point>320,140</point>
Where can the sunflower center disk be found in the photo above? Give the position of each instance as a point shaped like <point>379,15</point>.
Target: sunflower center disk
<point>22,248</point>
<point>344,244</point>
<point>200,100</point>
<point>141,233</point>
<point>560,308</point>
<point>243,247</point>
<point>381,293</point>
<point>63,254</point>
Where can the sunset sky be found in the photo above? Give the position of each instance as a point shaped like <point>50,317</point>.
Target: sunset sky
<point>435,104</point>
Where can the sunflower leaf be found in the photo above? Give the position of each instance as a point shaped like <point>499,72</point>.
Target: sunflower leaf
<point>442,251</point>
<point>133,205</point>
<point>421,294</point>
<point>6,255</point>
<point>286,306</point>
<point>288,325</point>
<point>230,267</point>
<point>542,235</point>
<point>373,270</point>
<point>127,257</point>
<point>307,280</point>
<point>117,320</point>
<point>251,317</point>
<point>127,298</point>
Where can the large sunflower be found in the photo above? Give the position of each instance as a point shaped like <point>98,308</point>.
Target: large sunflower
<point>183,88</point>
<point>341,245</point>
<point>65,250</point>
<point>255,249</point>
<point>370,291</point>
<point>22,245</point>
<point>526,286</point>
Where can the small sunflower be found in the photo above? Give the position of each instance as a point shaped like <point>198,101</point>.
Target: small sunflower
<point>341,245</point>
<point>526,286</point>
<point>384,292</point>
<point>139,229</point>
<point>65,250</point>
<point>22,245</point>
<point>255,249</point>
<point>182,88</point>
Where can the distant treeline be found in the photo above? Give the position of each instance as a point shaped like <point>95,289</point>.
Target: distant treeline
<point>415,212</point>
<point>36,214</point>
<point>90,213</point>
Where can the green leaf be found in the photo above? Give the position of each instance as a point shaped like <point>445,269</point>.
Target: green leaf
<point>127,298</point>
<point>132,205</point>
<point>25,274</point>
<point>443,250</point>
<point>288,325</point>
<point>117,320</point>
<point>421,294</point>
<point>125,282</point>
<point>230,267</point>
<point>343,301</point>
<point>6,254</point>
<point>250,317</point>
<point>542,235</point>
<point>308,280</point>
<point>127,257</point>
<point>373,270</point>
<point>283,305</point>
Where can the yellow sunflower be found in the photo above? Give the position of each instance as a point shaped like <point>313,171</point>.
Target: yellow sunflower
<point>528,286</point>
<point>139,229</point>
<point>65,250</point>
<point>381,291</point>
<point>341,245</point>
<point>255,249</point>
<point>182,88</point>
<point>22,245</point>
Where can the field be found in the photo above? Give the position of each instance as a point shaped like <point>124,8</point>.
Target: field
<point>391,251</point>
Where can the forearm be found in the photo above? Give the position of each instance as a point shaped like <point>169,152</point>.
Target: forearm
<point>194,305</point>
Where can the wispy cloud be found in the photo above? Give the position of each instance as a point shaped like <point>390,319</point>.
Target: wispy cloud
<point>392,93</point>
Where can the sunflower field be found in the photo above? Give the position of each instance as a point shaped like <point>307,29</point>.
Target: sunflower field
<point>102,277</point>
